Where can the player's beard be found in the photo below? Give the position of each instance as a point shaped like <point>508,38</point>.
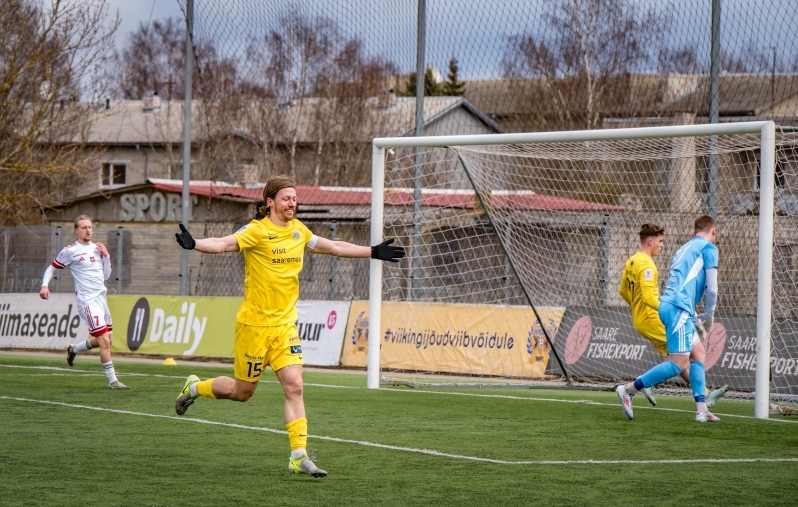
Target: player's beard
<point>286,214</point>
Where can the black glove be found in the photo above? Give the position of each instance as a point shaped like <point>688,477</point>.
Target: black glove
<point>184,238</point>
<point>385,252</point>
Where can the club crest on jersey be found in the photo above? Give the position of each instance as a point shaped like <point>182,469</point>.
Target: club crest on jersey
<point>91,259</point>
<point>295,235</point>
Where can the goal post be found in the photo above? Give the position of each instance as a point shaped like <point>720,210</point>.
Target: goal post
<point>510,169</point>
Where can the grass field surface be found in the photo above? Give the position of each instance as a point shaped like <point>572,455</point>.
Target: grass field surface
<point>67,440</point>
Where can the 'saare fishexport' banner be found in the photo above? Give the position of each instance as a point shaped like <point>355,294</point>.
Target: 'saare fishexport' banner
<point>27,321</point>
<point>467,339</point>
<point>601,342</point>
<point>205,326</point>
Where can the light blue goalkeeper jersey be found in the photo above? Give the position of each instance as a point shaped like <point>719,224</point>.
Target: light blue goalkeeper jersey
<point>687,279</point>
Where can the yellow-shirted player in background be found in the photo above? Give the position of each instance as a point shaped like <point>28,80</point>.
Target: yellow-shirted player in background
<point>639,288</point>
<point>266,334</point>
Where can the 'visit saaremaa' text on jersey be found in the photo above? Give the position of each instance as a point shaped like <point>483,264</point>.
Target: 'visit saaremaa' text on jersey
<point>273,258</point>
<point>86,265</point>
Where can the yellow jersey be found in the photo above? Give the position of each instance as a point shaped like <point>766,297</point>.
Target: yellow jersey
<point>639,290</point>
<point>273,257</point>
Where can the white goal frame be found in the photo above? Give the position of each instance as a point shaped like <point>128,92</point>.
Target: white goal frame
<point>767,132</point>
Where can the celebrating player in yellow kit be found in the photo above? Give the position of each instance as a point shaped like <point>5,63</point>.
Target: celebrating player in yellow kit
<point>266,335</point>
<point>640,291</point>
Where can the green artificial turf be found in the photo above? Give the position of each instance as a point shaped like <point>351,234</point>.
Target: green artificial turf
<point>66,454</point>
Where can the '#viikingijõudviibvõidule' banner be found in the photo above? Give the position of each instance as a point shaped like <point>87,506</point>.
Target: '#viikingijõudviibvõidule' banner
<point>467,339</point>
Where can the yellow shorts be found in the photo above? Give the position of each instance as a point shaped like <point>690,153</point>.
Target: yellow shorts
<point>257,347</point>
<point>656,335</point>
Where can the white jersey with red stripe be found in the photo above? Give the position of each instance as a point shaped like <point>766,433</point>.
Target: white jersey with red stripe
<point>87,267</point>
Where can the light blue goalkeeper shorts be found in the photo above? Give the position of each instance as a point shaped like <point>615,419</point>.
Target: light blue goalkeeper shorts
<point>679,329</point>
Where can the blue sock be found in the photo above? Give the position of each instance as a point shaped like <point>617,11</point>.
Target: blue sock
<point>698,380</point>
<point>658,374</point>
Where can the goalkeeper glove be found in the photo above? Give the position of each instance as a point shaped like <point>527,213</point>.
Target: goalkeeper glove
<point>385,252</point>
<point>184,238</point>
<point>699,328</point>
<point>708,320</point>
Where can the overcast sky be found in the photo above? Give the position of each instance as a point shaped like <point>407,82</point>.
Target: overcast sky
<point>474,31</point>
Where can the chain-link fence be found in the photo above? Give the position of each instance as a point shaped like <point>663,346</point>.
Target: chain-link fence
<point>141,266</point>
<point>309,83</point>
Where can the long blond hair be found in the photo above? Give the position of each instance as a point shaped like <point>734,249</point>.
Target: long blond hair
<point>273,186</point>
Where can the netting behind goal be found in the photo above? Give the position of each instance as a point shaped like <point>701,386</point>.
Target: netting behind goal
<point>553,224</point>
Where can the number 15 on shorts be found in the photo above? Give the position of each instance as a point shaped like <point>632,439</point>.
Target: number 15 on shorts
<point>257,368</point>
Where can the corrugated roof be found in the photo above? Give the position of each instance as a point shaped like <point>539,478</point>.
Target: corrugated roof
<point>465,199</point>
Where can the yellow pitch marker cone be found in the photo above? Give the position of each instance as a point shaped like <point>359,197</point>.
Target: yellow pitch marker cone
<point>169,361</point>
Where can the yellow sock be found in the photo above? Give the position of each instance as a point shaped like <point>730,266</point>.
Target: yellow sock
<point>297,433</point>
<point>205,388</point>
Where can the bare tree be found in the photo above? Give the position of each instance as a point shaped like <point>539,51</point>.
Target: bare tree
<point>51,60</point>
<point>154,58</point>
<point>320,81</point>
<point>577,64</point>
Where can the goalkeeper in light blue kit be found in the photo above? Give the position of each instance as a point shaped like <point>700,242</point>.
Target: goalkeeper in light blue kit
<point>694,271</point>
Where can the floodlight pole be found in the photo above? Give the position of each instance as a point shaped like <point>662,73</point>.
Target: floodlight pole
<point>418,175</point>
<point>186,201</point>
<point>714,108</point>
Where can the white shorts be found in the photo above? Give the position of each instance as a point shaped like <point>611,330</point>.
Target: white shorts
<point>96,316</point>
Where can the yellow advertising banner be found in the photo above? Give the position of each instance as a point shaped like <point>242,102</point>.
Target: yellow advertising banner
<point>466,339</point>
<point>174,325</point>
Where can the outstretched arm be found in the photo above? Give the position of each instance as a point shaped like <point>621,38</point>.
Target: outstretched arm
<point>217,245</point>
<point>206,245</point>
<point>341,248</point>
<point>384,251</point>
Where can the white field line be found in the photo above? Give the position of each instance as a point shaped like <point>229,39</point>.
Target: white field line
<point>72,371</point>
<point>428,452</point>
<point>426,391</point>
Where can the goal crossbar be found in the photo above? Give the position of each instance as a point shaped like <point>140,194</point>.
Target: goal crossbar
<point>766,130</point>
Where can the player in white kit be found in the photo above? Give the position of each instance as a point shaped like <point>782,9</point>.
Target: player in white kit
<point>90,265</point>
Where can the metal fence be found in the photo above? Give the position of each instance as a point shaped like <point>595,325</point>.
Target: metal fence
<point>147,264</point>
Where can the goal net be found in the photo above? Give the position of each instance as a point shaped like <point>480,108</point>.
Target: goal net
<point>515,251</point>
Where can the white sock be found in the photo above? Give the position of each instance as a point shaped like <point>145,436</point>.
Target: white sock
<point>80,347</point>
<point>192,390</point>
<point>297,453</point>
<point>630,388</point>
<point>701,406</point>
<point>109,371</point>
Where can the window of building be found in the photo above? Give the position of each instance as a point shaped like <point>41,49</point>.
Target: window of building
<point>113,174</point>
